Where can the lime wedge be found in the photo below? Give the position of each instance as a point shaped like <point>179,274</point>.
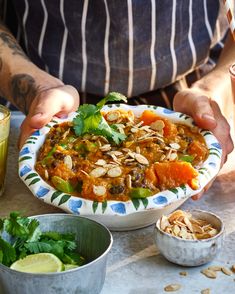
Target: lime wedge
<point>38,263</point>
<point>69,266</point>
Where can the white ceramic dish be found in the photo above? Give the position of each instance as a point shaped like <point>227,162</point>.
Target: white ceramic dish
<point>191,252</point>
<point>117,215</point>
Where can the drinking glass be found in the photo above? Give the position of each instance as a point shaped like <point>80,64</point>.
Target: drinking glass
<point>4,134</point>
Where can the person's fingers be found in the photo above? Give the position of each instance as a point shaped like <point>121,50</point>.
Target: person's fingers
<point>197,106</point>
<point>53,102</point>
<point>206,188</point>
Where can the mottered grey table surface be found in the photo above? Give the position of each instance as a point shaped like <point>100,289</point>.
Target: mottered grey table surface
<point>135,265</point>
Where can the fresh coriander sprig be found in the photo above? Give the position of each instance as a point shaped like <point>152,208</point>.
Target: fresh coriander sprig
<point>90,120</point>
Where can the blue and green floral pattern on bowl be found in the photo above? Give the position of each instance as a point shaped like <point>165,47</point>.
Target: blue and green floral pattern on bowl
<point>76,205</point>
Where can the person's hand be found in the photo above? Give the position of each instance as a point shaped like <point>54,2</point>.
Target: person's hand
<point>58,101</point>
<point>207,115</point>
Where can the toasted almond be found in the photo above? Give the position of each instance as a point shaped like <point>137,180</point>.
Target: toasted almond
<point>215,268</point>
<point>202,236</point>
<point>175,146</point>
<point>141,159</point>
<point>98,172</point>
<point>129,181</point>
<point>110,165</point>
<point>206,291</point>
<point>113,115</point>
<point>46,174</point>
<point>233,268</point>
<point>173,156</point>
<point>188,224</point>
<point>172,287</point>
<point>213,232</point>
<point>99,190</point>
<point>176,230</point>
<point>226,271</point>
<point>157,125</point>
<point>134,130</point>
<point>105,147</point>
<point>137,149</point>
<point>164,222</point>
<point>183,233</point>
<point>68,161</point>
<point>100,162</point>
<point>183,273</point>
<point>114,172</point>
<point>175,215</point>
<point>209,273</point>
<point>197,228</point>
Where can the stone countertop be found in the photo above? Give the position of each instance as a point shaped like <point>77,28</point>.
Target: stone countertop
<point>135,266</point>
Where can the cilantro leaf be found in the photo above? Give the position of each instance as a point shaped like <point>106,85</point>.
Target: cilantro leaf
<point>90,120</point>
<point>8,253</point>
<point>15,225</point>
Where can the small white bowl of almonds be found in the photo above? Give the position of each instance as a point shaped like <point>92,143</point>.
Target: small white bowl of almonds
<point>189,238</point>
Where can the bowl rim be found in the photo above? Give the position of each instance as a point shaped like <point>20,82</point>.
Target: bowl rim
<point>4,267</point>
<point>221,232</point>
<point>207,171</point>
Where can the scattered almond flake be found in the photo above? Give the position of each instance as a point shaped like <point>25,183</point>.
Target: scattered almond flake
<point>149,139</point>
<point>188,224</point>
<point>132,154</point>
<point>68,161</point>
<point>145,128</point>
<point>129,143</point>
<point>114,172</point>
<point>115,152</point>
<point>215,268</point>
<point>85,173</point>
<point>175,215</point>
<point>120,128</point>
<point>98,143</point>
<point>213,232</point>
<point>209,273</point>
<point>139,124</point>
<point>99,190</point>
<point>98,172</point>
<point>202,236</point>
<point>183,233</point>
<point>226,271</point>
<point>172,287</point>
<point>46,174</point>
<point>110,165</point>
<point>183,273</point>
<point>126,150</point>
<point>144,136</point>
<point>113,115</point>
<point>103,139</point>
<point>141,159</point>
<point>164,222</point>
<point>175,146</point>
<point>137,149</point>
<point>206,291</point>
<point>173,156</point>
<point>157,125</point>
<point>129,181</point>
<point>134,130</point>
<point>100,162</point>
<point>65,134</point>
<point>176,230</point>
<point>129,160</point>
<point>233,268</point>
<point>197,228</point>
<point>105,147</point>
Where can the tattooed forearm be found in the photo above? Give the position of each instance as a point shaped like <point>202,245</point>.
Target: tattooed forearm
<point>23,90</point>
<point>9,41</point>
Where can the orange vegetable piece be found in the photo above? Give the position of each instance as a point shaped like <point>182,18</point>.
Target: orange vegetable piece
<point>198,150</point>
<point>150,175</point>
<point>174,174</point>
<point>149,117</point>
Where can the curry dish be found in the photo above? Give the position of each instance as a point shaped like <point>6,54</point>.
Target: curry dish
<point>156,155</point>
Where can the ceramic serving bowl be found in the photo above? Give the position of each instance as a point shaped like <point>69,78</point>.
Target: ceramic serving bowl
<point>94,242</point>
<point>117,215</point>
<point>191,252</point>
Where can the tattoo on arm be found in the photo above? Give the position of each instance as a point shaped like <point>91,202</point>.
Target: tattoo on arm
<point>23,90</point>
<point>9,41</point>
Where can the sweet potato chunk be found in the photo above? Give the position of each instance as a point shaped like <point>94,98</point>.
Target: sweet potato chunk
<point>174,174</point>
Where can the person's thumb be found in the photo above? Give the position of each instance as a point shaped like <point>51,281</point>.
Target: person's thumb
<point>197,106</point>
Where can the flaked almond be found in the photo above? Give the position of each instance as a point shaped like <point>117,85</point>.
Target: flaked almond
<point>99,190</point>
<point>172,287</point>
<point>105,147</point>
<point>176,215</point>
<point>68,161</point>
<point>129,181</point>
<point>209,273</point>
<point>157,125</point>
<point>197,228</point>
<point>173,156</point>
<point>113,115</point>
<point>164,222</point>
<point>114,172</point>
<point>176,230</point>
<point>98,172</point>
<point>226,271</point>
<point>100,162</point>
<point>175,146</point>
<point>215,268</point>
<point>188,224</point>
<point>46,174</point>
<point>141,159</point>
<point>233,268</point>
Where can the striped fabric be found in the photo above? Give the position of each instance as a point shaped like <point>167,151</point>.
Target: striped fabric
<point>136,47</point>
